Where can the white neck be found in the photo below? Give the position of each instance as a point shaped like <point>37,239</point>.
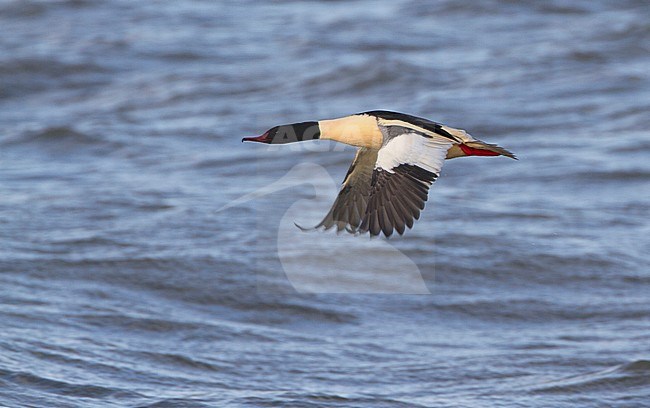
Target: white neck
<point>355,130</point>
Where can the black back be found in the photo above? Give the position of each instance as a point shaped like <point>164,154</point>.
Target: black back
<point>421,122</point>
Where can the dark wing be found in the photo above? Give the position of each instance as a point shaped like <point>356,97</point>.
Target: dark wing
<point>350,205</point>
<point>435,127</point>
<point>396,199</point>
<point>406,167</point>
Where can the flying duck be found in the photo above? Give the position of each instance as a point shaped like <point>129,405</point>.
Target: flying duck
<point>398,159</point>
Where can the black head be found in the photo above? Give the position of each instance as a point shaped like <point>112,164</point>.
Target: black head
<point>296,132</point>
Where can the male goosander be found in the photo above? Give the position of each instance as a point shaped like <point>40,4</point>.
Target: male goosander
<point>398,159</point>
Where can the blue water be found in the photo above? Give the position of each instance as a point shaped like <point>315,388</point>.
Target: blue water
<point>125,282</point>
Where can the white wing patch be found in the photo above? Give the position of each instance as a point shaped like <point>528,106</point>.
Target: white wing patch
<point>415,149</point>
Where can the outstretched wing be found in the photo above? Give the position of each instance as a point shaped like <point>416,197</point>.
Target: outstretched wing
<point>405,169</point>
<point>350,206</point>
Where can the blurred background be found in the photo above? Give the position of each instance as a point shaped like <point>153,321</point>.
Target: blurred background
<point>121,284</point>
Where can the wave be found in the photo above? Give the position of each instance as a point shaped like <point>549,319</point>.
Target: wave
<point>31,8</point>
<point>204,281</point>
<point>369,75</point>
<point>317,400</point>
<point>631,175</point>
<point>624,377</point>
<point>525,309</point>
<point>21,380</point>
<point>61,141</point>
<point>22,77</point>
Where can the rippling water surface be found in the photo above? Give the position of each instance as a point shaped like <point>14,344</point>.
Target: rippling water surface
<point>123,283</point>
